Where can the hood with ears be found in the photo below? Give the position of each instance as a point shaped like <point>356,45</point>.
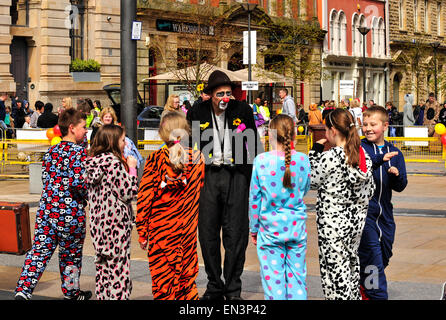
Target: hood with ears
<point>409,98</point>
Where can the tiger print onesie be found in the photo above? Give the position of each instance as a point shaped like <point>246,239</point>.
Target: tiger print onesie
<point>167,216</point>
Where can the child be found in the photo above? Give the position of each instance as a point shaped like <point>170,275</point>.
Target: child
<point>279,181</point>
<point>379,231</point>
<point>167,217</point>
<point>27,125</point>
<point>343,178</point>
<point>110,191</point>
<point>61,217</point>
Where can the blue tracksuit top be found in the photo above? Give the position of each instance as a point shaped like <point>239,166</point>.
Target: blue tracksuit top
<point>380,206</point>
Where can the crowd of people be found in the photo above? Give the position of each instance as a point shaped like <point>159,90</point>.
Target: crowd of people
<point>195,189</point>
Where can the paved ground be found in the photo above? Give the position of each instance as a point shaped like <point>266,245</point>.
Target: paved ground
<point>416,272</point>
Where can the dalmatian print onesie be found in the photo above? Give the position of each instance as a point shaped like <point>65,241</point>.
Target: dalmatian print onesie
<point>60,219</point>
<point>342,202</point>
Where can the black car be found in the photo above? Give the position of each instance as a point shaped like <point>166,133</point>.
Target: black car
<point>114,93</point>
<point>150,117</point>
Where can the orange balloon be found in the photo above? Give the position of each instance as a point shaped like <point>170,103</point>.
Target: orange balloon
<point>50,134</point>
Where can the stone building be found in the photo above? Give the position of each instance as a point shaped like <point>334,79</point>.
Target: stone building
<point>342,57</point>
<point>40,38</point>
<point>166,29</point>
<point>417,44</point>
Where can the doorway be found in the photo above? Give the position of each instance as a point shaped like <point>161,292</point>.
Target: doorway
<point>19,66</point>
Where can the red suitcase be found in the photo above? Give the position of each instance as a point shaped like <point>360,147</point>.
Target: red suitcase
<point>15,232</point>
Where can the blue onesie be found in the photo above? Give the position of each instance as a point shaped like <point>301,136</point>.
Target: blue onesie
<point>278,216</point>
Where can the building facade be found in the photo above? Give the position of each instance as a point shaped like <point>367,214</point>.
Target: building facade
<point>343,51</point>
<point>168,38</point>
<point>40,38</point>
<point>417,44</point>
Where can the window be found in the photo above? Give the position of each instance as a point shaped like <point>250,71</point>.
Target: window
<point>355,38</point>
<point>381,38</point>
<point>342,33</point>
<point>19,12</point>
<point>334,32</point>
<point>439,19</point>
<point>415,14</point>
<point>401,13</point>
<point>426,16</point>
<point>77,29</point>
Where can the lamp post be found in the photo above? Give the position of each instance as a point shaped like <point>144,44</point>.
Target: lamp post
<point>363,31</point>
<point>435,45</point>
<point>249,7</point>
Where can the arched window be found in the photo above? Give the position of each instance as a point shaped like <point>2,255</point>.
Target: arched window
<point>362,23</point>
<point>334,32</point>
<point>77,29</point>
<point>342,33</point>
<point>382,38</point>
<point>355,39</point>
<point>375,36</point>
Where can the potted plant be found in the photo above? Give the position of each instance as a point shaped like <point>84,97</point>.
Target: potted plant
<point>85,70</point>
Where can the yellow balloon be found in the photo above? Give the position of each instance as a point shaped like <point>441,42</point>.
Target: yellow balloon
<point>55,140</point>
<point>440,129</point>
<point>300,129</point>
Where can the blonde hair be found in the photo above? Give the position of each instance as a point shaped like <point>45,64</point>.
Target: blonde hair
<point>112,113</point>
<point>173,129</point>
<point>169,103</point>
<point>355,104</point>
<point>284,132</point>
<point>68,103</point>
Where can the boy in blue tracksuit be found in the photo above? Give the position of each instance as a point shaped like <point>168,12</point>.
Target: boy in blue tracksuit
<point>389,173</point>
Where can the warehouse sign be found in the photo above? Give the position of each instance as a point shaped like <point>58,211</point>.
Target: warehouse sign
<point>183,27</point>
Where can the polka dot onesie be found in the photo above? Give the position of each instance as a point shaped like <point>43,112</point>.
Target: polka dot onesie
<point>278,216</point>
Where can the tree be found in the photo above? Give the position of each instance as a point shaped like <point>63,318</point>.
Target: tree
<point>293,41</point>
<point>201,41</point>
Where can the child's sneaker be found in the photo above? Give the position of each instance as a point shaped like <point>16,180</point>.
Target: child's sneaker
<point>21,296</point>
<point>443,292</point>
<point>83,295</point>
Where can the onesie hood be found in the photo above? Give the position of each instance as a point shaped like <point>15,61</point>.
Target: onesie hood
<point>362,172</point>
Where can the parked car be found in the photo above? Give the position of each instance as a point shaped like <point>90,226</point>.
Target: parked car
<point>114,94</point>
<point>150,117</point>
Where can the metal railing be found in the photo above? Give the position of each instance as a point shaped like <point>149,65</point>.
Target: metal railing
<point>19,152</point>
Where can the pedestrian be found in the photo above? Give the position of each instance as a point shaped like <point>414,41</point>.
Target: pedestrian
<point>172,105</point>
<point>167,218</point>
<point>203,97</point>
<point>36,114</point>
<point>314,115</point>
<point>9,124</point>
<point>27,125</point>
<point>67,103</point>
<point>278,214</point>
<point>108,116</point>
<point>186,106</point>
<point>419,118</point>
<point>264,110</point>
<point>47,119</point>
<point>356,112</point>
<point>19,117</point>
<point>329,108</point>
<point>343,178</point>
<point>431,114</point>
<point>112,185</point>
<point>229,160</point>
<point>442,114</point>
<point>392,113</point>
<point>96,111</point>
<point>288,107</point>
<point>60,219</point>
<point>389,173</point>
<point>408,118</point>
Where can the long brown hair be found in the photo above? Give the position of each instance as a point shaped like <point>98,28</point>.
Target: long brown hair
<point>173,129</point>
<point>107,140</point>
<point>343,121</point>
<point>284,132</point>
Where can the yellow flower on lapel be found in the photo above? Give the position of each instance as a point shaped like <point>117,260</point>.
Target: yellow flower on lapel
<point>204,125</point>
<point>236,122</point>
<point>200,87</point>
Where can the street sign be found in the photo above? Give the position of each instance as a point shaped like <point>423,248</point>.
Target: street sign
<point>253,47</point>
<point>136,30</point>
<point>250,85</point>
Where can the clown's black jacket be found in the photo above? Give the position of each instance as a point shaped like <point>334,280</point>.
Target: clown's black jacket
<point>244,150</point>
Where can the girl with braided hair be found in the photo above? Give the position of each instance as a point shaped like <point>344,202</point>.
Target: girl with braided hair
<point>279,182</point>
<point>344,180</point>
